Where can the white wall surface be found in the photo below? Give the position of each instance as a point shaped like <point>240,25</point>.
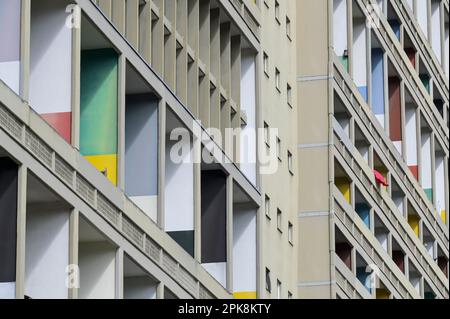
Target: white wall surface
<point>179,197</point>
<point>411,136</point>
<point>139,288</point>
<point>218,271</point>
<point>360,52</point>
<point>7,290</point>
<point>340,26</point>
<point>244,250</point>
<point>248,105</point>
<point>51,58</point>
<point>47,253</point>
<point>97,270</point>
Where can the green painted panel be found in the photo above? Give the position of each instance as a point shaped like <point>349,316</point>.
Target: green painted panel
<point>98,102</point>
<point>344,60</point>
<point>426,82</point>
<point>429,193</point>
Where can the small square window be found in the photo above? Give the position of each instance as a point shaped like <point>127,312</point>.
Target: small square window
<point>267,134</point>
<point>277,79</point>
<point>267,206</point>
<point>279,289</point>
<point>290,233</point>
<point>268,282</point>
<point>290,163</point>
<point>279,220</point>
<point>266,63</point>
<point>277,11</point>
<point>289,95</point>
<point>279,149</point>
<point>290,296</point>
<point>288,28</point>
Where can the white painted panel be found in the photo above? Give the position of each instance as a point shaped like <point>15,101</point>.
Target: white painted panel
<point>364,151</point>
<point>422,16</point>
<point>426,161</point>
<point>410,4</point>
<point>398,201</point>
<point>10,74</point>
<point>248,105</point>
<point>430,248</point>
<point>179,197</point>
<point>218,271</point>
<point>360,52</point>
<point>411,136</point>
<point>440,183</point>
<point>149,204</point>
<point>244,251</point>
<point>381,119</point>
<point>398,146</point>
<point>47,253</point>
<point>51,58</point>
<point>7,290</point>
<point>97,271</point>
<point>340,26</point>
<point>383,240</point>
<point>139,288</point>
<point>436,28</point>
<point>415,282</point>
<point>447,44</point>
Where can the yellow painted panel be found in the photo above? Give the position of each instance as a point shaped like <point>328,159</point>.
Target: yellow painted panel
<point>106,164</point>
<point>343,185</point>
<point>245,295</point>
<point>444,216</point>
<point>383,294</point>
<point>414,222</point>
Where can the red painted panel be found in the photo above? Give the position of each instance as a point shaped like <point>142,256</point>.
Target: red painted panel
<point>399,259</point>
<point>411,53</point>
<point>415,171</point>
<point>344,251</point>
<point>61,122</point>
<point>395,109</point>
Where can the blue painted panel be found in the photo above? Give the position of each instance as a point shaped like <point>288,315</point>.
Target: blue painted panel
<point>141,145</point>
<point>363,91</point>
<point>363,277</point>
<point>395,25</point>
<point>378,90</point>
<point>363,211</point>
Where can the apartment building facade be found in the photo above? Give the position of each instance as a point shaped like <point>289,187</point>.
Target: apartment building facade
<point>223,149</point>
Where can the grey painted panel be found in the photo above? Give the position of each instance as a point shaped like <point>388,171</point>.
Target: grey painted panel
<point>141,145</point>
<point>214,248</point>
<point>8,220</point>
<point>9,30</point>
<point>185,239</point>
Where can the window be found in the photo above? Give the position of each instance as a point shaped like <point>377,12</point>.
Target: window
<point>279,289</point>
<point>277,79</point>
<point>290,296</point>
<point>277,12</point>
<point>288,28</point>
<point>279,220</point>
<point>267,206</point>
<point>291,233</point>
<point>268,283</point>
<point>289,95</point>
<point>266,134</point>
<point>266,63</point>
<point>279,148</point>
<point>290,163</point>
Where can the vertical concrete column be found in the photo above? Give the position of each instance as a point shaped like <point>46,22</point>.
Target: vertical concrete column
<point>132,22</point>
<point>122,70</point>
<point>76,75</point>
<point>25,49</point>
<point>225,73</point>
<point>162,111</point>
<point>106,7</point>
<point>73,273</point>
<point>119,276</point>
<point>118,15</point>
<point>170,44</point>
<point>158,39</point>
<point>160,291</point>
<point>215,67</point>
<point>204,56</point>
<point>181,54</point>
<point>21,230</point>
<point>193,54</point>
<point>229,227</point>
<point>236,59</point>
<point>145,31</point>
<point>197,200</point>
